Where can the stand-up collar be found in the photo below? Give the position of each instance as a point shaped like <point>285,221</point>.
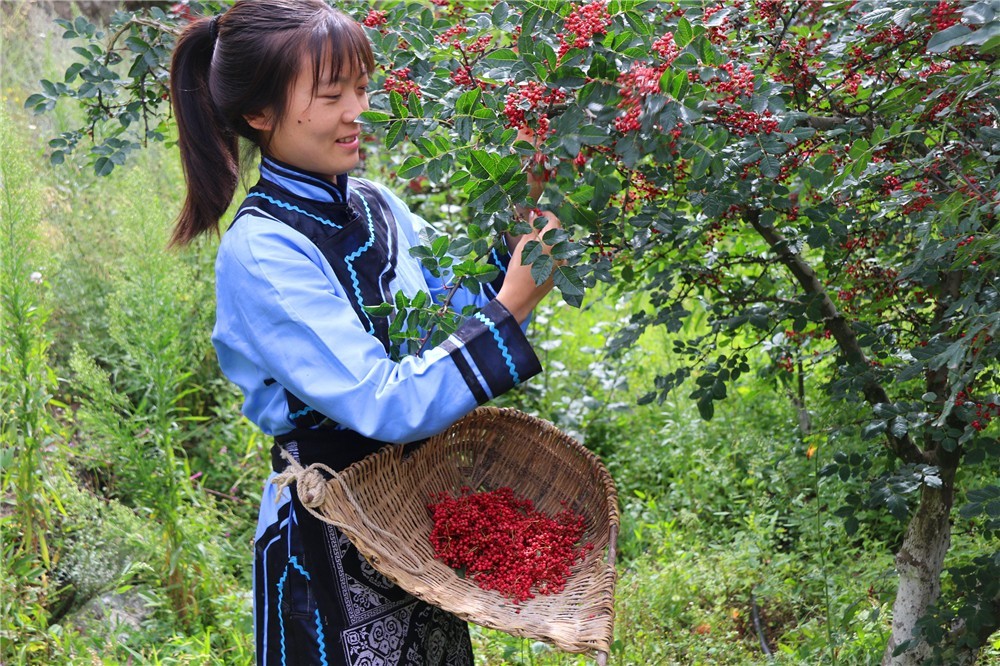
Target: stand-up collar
<point>304,184</point>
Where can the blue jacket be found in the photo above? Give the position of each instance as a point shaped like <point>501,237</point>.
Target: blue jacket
<point>289,321</point>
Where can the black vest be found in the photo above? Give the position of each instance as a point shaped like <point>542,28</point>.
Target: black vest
<point>359,239</point>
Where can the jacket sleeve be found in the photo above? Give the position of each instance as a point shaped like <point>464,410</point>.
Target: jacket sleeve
<point>282,316</point>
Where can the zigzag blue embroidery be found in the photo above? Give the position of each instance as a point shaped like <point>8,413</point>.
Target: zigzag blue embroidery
<point>288,206</point>
<point>302,412</point>
<point>357,253</point>
<point>499,264</point>
<point>293,562</point>
<point>503,348</point>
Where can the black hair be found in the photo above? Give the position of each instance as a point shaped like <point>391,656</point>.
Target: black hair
<point>240,64</point>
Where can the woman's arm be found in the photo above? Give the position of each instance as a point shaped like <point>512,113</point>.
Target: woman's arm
<point>285,322</point>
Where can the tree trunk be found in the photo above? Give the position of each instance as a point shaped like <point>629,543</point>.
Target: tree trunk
<point>919,563</point>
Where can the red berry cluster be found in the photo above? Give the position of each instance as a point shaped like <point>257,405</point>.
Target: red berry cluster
<point>891,36</point>
<point>639,190</point>
<point>463,76</point>
<point>742,122</point>
<point>583,22</point>
<point>375,18</point>
<point>635,85</point>
<point>448,34</point>
<point>852,81</point>
<point>799,62</point>
<point>529,97</point>
<point>182,10</point>
<point>864,241</point>
<point>869,280</point>
<point>985,411</point>
<point>799,338</point>
<point>934,68</point>
<point>398,80</point>
<point>945,15</point>
<point>716,34</point>
<point>769,11</point>
<point>739,84</point>
<point>503,543</point>
<point>666,48</point>
<point>923,200</point>
<point>890,185</point>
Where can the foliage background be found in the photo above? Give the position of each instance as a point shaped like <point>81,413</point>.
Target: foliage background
<point>130,479</point>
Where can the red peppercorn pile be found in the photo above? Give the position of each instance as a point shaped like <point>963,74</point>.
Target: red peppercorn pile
<point>503,543</point>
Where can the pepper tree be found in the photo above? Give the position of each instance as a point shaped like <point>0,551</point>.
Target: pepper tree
<point>817,180</point>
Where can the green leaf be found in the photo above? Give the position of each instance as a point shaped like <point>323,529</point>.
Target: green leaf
<point>381,310</point>
<point>682,37</point>
<point>414,105</point>
<point>505,55</point>
<point>395,134</point>
<point>466,102</point>
<point>103,166</point>
<point>412,167</point>
<point>439,247</point>
<point>770,166</point>
<point>541,268</point>
<point>568,281</point>
<point>531,251</point>
<point>373,116</point>
<point>874,428</point>
<point>483,164</point>
<point>396,102</point>
<point>760,320</point>
<point>706,408</point>
<point>956,35</point>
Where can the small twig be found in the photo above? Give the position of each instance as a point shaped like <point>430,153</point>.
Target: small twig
<point>138,20</point>
<point>232,498</point>
<point>444,307</point>
<point>755,615</point>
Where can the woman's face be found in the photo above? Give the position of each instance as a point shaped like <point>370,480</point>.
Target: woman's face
<point>318,132</point>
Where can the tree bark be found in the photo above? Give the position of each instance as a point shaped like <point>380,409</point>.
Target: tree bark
<point>920,560</point>
<point>839,327</point>
<point>919,563</point>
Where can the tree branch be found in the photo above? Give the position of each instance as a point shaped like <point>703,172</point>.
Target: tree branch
<point>839,328</point>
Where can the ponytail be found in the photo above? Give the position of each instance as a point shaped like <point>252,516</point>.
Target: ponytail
<point>236,66</point>
<point>209,149</point>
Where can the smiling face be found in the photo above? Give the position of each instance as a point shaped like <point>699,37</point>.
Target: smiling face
<point>318,132</point>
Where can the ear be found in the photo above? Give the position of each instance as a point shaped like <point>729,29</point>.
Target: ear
<point>260,121</point>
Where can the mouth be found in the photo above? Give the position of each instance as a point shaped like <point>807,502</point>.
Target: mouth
<point>348,139</point>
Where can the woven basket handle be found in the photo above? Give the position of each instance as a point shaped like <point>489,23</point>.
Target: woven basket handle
<point>312,490</point>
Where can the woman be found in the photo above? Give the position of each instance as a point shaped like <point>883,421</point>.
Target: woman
<point>309,248</point>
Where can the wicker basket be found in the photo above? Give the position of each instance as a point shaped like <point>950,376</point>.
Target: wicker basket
<point>380,503</point>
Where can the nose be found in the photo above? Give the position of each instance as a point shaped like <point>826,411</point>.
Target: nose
<point>354,110</point>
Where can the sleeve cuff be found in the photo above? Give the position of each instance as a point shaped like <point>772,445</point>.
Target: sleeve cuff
<point>492,352</point>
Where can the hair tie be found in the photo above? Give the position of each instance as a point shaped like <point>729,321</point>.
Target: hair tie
<point>213,29</point>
